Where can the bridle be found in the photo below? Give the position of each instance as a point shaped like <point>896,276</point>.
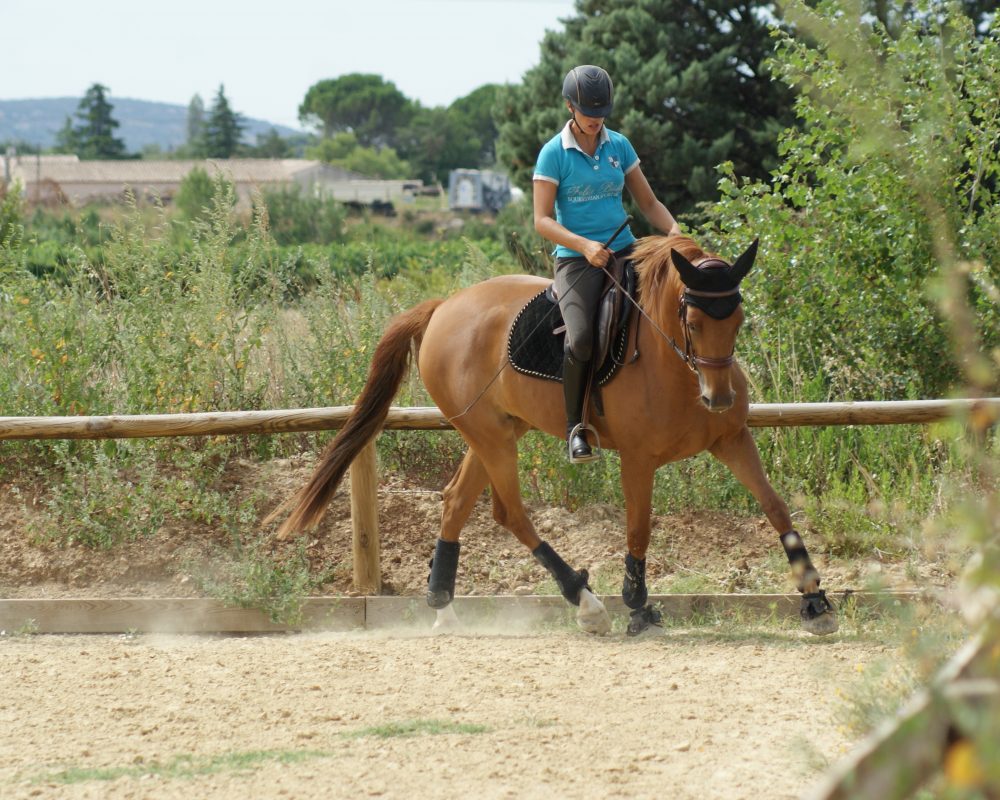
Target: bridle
<point>694,361</point>
<point>688,356</point>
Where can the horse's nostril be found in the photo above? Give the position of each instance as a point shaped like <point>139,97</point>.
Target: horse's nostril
<point>716,405</point>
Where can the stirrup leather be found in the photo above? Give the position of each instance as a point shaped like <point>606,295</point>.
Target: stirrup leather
<point>594,450</point>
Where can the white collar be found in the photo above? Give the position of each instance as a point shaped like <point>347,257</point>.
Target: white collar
<point>569,141</point>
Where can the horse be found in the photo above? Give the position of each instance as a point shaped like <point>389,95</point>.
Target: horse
<point>686,394</point>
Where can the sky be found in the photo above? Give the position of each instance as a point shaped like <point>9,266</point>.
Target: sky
<point>268,54</point>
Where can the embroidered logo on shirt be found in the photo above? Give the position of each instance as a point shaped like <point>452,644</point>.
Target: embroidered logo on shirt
<point>584,194</point>
<point>614,161</point>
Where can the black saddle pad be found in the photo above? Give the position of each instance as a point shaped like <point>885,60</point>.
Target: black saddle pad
<point>535,350</point>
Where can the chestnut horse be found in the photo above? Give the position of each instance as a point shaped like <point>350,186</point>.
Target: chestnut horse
<point>685,394</point>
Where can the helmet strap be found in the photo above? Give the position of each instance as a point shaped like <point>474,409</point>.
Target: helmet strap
<point>577,124</point>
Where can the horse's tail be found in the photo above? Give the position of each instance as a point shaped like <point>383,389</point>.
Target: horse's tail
<point>388,368</point>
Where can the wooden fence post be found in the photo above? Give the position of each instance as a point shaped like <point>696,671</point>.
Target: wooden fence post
<point>364,521</point>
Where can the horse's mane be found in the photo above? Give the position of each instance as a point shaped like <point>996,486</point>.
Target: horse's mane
<point>651,256</point>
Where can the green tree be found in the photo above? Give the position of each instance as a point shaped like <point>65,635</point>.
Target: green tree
<point>895,14</point>
<point>223,128</point>
<point>690,91</point>
<point>66,141</point>
<point>332,149</point>
<point>94,136</point>
<point>848,248</point>
<point>271,145</point>
<point>199,191</point>
<point>475,110</point>
<point>343,150</point>
<point>438,141</point>
<point>366,105</point>
<point>195,142</point>
<point>296,217</point>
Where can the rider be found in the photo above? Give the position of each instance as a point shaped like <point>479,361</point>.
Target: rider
<point>578,182</point>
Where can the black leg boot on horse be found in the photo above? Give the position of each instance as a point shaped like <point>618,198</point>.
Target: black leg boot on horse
<point>575,376</point>
<point>441,583</point>
<point>817,612</point>
<point>635,594</point>
<point>591,615</point>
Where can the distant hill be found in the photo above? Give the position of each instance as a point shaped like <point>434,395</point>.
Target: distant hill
<point>143,122</point>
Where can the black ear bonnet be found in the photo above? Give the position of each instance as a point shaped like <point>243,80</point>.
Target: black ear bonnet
<point>713,286</point>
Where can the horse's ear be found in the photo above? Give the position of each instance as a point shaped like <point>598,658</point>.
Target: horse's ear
<point>739,270</point>
<point>689,272</point>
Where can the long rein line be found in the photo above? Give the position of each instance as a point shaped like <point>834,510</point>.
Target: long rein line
<point>668,339</point>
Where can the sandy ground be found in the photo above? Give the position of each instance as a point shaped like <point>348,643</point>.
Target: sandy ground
<point>491,713</point>
<point>676,714</point>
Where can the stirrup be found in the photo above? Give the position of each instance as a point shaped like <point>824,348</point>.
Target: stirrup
<point>594,450</point>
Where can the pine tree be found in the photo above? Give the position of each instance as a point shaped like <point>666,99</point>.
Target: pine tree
<point>690,91</point>
<point>94,137</point>
<point>66,137</point>
<point>195,126</point>
<point>223,128</point>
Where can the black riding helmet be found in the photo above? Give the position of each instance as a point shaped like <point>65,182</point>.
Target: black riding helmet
<point>589,90</point>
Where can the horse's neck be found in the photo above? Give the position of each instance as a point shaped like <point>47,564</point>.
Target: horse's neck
<point>663,309</point>
<point>668,329</point>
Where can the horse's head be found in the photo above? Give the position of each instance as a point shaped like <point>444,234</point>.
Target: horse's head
<point>711,315</point>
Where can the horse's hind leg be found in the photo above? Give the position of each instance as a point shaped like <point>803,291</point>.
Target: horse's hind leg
<point>739,453</point>
<point>459,498</point>
<point>499,457</point>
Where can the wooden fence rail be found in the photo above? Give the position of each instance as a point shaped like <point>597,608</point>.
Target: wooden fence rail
<point>298,420</point>
<point>363,476</point>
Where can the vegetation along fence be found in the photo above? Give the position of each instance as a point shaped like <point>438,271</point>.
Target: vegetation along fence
<point>363,473</point>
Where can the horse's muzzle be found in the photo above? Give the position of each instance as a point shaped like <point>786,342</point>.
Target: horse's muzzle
<point>717,403</point>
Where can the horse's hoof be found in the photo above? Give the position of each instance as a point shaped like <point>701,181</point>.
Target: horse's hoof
<point>642,619</point>
<point>591,615</point>
<point>819,617</point>
<point>446,621</point>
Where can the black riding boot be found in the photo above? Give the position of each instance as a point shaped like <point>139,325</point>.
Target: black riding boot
<point>575,374</point>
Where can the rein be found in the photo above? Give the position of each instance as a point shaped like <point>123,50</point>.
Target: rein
<point>687,355</point>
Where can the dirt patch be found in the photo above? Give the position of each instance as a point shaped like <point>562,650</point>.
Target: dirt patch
<point>700,551</point>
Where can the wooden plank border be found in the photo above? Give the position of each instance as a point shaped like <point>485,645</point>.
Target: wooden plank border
<point>509,613</point>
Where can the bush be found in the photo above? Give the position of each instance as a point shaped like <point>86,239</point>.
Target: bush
<point>198,192</point>
<point>11,217</point>
<point>849,259</point>
<point>294,218</point>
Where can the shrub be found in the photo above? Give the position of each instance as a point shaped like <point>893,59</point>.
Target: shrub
<point>849,256</point>
<point>198,191</point>
<point>295,218</point>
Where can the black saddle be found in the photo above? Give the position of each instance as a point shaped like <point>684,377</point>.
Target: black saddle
<point>535,342</point>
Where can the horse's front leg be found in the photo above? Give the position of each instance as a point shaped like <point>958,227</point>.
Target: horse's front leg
<point>637,485</point>
<point>739,453</point>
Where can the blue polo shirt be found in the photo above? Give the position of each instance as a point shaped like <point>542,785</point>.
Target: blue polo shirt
<point>589,193</point>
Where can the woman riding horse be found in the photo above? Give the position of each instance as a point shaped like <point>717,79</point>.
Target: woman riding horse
<point>685,395</point>
<point>578,183</point>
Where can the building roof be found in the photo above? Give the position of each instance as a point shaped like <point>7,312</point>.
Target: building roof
<point>70,169</point>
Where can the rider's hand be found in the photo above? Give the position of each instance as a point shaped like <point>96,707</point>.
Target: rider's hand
<point>596,253</point>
